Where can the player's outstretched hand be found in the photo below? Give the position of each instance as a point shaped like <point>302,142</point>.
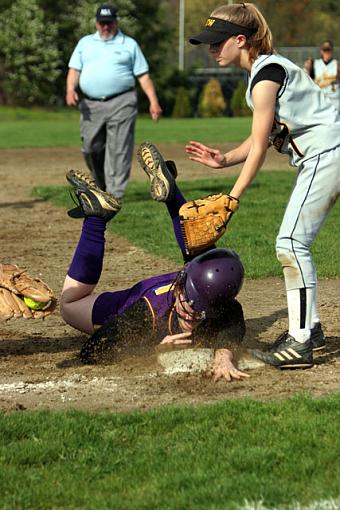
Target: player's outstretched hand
<point>223,367</point>
<point>179,339</point>
<point>205,155</point>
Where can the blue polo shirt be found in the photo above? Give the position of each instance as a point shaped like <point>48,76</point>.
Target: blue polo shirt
<point>107,67</point>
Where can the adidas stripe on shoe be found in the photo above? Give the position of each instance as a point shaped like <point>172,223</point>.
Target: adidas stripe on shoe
<point>288,353</point>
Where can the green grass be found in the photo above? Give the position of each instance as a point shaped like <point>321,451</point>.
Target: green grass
<point>20,128</point>
<point>251,233</point>
<point>211,457</point>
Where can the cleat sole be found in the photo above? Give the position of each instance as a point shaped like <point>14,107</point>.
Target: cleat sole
<point>155,168</point>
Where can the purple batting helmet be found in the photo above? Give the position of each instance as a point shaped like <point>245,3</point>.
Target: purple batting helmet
<point>212,279</point>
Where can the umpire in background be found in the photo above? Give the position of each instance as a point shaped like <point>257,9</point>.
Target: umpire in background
<point>104,66</point>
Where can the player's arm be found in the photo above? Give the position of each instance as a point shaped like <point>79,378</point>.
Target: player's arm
<point>214,158</point>
<point>264,98</point>
<point>177,339</point>
<point>72,82</point>
<point>149,90</point>
<point>123,334</point>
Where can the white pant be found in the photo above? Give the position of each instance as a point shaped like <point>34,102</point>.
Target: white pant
<point>316,191</point>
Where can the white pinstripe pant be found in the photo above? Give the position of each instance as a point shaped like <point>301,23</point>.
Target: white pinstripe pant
<point>316,191</point>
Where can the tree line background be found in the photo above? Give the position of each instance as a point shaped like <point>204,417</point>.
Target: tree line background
<point>37,38</point>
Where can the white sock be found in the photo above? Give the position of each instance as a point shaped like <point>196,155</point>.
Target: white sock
<point>300,305</point>
<point>314,312</point>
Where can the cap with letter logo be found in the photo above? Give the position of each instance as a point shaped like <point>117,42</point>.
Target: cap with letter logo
<point>107,13</point>
<point>217,30</point>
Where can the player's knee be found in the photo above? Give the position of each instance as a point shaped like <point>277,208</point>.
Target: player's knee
<point>285,255</point>
<point>64,308</point>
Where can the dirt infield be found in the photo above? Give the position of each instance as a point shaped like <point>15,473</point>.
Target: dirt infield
<point>38,359</point>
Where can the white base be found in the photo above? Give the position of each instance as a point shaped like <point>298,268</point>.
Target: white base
<point>199,360</point>
<point>186,360</point>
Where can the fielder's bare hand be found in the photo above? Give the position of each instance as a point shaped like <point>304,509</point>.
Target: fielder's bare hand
<point>205,155</point>
<point>223,367</point>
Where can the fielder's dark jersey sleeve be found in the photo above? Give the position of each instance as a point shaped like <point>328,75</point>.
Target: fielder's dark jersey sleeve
<point>222,333</point>
<point>272,72</point>
<point>125,334</point>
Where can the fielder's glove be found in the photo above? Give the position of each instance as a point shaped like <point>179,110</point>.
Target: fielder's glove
<point>205,220</point>
<point>21,295</point>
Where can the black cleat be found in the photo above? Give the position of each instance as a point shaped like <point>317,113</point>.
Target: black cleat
<point>318,338</point>
<point>92,200</point>
<point>80,179</point>
<point>162,174</point>
<point>286,352</point>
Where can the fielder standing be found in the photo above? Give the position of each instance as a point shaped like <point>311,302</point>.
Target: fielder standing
<point>292,114</point>
<point>325,71</point>
<point>104,65</point>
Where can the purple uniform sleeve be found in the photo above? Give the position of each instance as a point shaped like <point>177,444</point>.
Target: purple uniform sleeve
<point>110,304</point>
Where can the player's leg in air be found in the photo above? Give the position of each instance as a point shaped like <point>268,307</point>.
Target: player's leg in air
<point>163,187</point>
<point>97,208</point>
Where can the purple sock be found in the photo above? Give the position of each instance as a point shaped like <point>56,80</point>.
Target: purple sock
<point>87,262</point>
<point>173,207</point>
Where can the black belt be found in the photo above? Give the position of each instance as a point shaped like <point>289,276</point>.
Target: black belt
<point>107,98</point>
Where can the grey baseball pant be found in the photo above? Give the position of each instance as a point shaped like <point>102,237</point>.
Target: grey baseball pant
<point>107,134</point>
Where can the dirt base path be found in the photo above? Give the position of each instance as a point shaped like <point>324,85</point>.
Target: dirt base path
<point>39,367</point>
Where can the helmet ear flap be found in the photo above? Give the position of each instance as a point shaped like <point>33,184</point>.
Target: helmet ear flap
<point>176,287</point>
<point>180,280</point>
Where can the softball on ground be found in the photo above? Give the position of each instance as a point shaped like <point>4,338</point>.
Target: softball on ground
<point>34,305</point>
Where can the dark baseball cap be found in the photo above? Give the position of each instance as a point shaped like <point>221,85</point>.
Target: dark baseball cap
<point>217,30</point>
<point>327,45</point>
<point>106,12</point>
